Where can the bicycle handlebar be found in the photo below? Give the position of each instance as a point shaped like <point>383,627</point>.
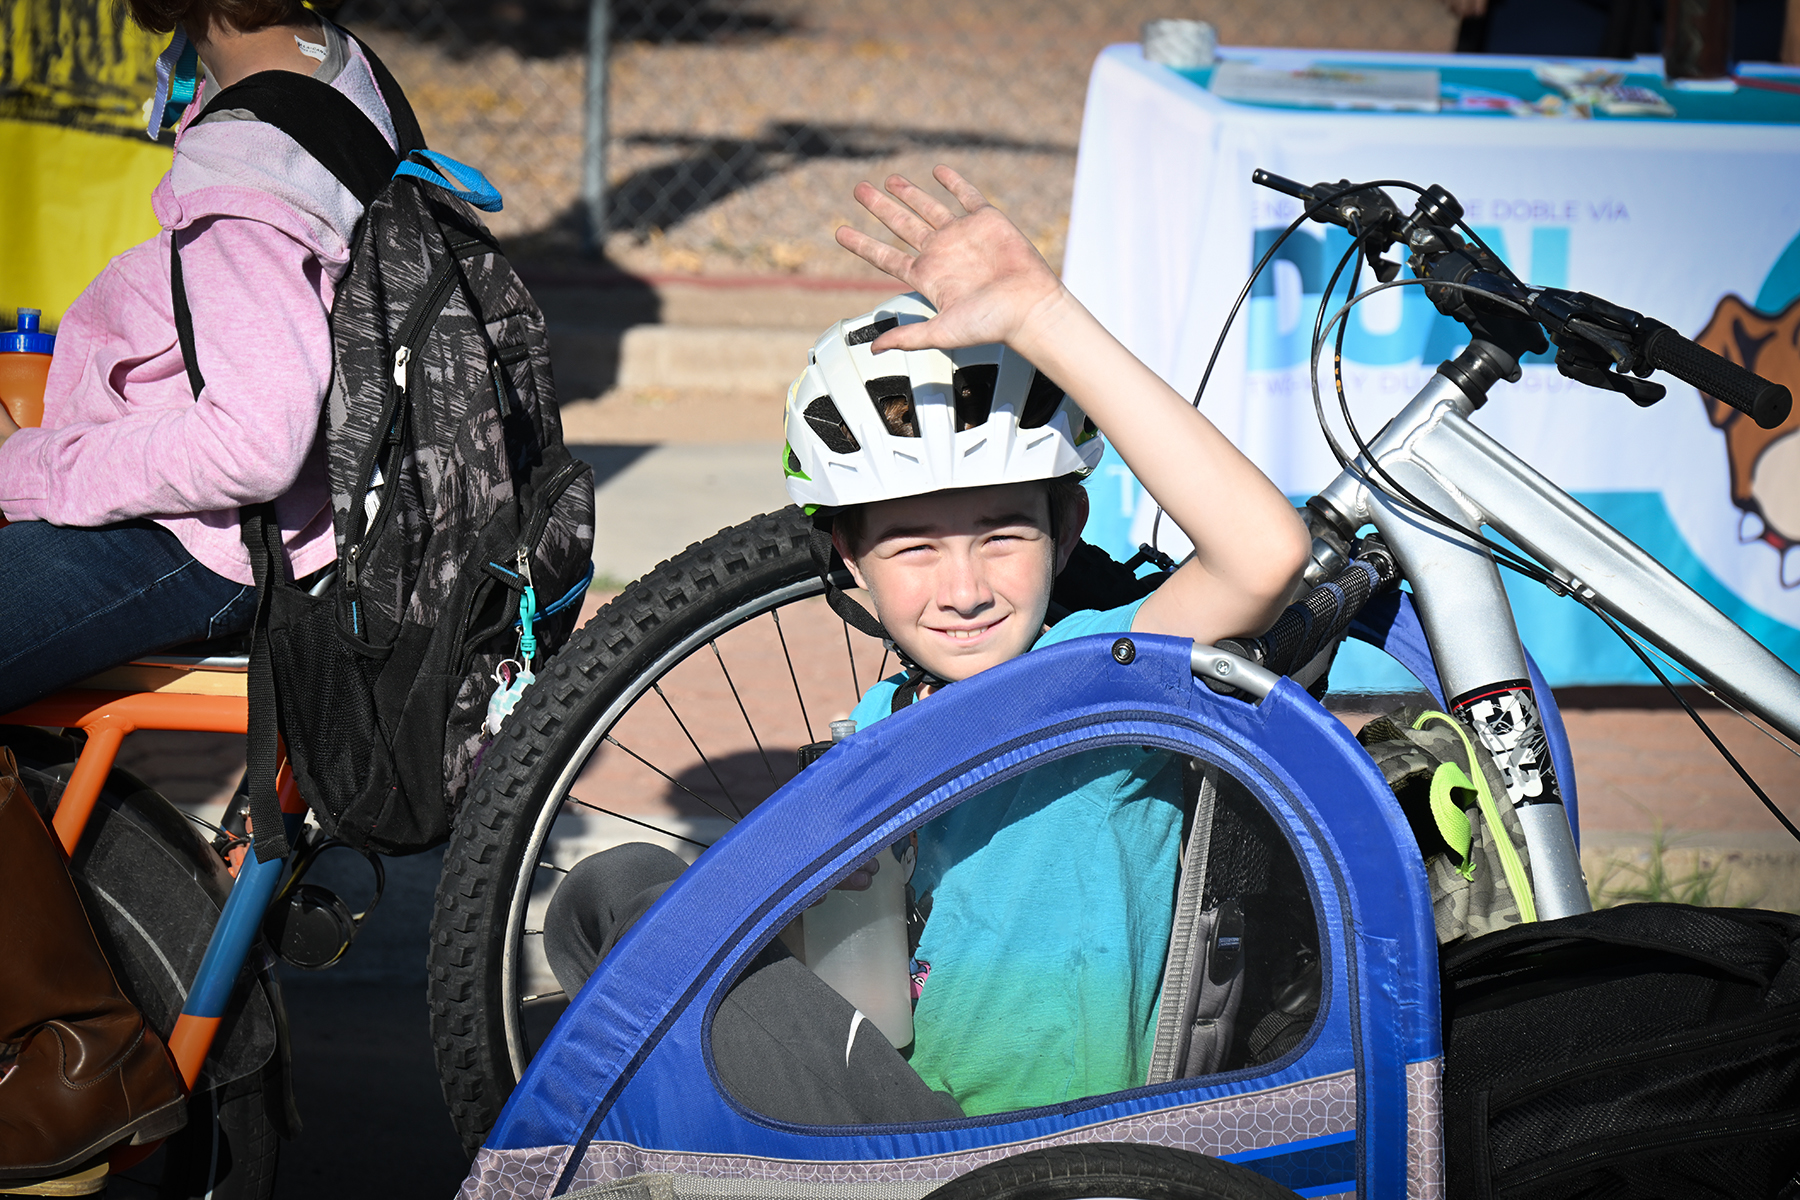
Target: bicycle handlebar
<point>1766,403</point>
<point>1598,342</point>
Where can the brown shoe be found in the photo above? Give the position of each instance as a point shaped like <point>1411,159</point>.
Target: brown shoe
<point>88,1073</point>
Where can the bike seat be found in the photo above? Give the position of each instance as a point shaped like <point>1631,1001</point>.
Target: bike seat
<point>214,666</point>
<point>228,653</point>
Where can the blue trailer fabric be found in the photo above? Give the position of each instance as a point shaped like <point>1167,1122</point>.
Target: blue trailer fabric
<point>629,1062</point>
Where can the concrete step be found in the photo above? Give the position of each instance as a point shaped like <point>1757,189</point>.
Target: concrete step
<point>746,336</point>
<point>720,358</point>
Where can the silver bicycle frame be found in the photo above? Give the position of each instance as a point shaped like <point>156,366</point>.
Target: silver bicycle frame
<point>1434,452</point>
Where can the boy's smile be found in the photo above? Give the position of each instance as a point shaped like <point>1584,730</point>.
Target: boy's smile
<point>960,579</point>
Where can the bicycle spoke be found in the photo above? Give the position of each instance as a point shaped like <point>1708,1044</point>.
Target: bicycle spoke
<point>792,674</point>
<point>550,866</point>
<point>881,671</point>
<point>633,820</point>
<point>542,996</point>
<point>704,761</point>
<point>667,777</point>
<point>850,653</point>
<point>532,932</point>
<point>767,765</point>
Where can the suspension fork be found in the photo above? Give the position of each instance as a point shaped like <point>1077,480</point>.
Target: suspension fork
<point>1481,664</point>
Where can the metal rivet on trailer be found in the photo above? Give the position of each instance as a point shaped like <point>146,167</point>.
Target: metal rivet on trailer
<point>1124,651</point>
<point>1221,666</point>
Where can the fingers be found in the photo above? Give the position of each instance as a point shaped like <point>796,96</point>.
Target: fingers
<point>860,879</point>
<point>920,201</point>
<point>897,217</point>
<point>918,335</point>
<point>879,255</point>
<point>964,191</point>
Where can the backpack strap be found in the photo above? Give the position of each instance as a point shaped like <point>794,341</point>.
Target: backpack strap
<point>327,124</point>
<point>262,538</point>
<point>406,125</point>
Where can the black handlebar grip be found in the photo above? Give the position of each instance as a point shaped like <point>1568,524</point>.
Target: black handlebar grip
<point>1768,404</point>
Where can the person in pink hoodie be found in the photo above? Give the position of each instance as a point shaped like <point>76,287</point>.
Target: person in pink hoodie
<point>124,536</point>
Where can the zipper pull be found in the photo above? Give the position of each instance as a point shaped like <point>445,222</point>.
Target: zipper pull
<point>401,357</point>
<point>525,564</point>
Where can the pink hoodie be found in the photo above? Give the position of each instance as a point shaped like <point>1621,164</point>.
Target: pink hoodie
<point>123,436</point>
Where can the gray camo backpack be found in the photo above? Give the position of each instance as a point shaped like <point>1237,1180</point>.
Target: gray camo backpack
<point>463,525</point>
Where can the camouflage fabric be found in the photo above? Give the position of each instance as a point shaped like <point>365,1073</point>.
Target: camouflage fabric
<point>448,474</point>
<point>1470,889</point>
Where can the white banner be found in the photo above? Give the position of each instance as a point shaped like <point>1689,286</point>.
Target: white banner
<point>1694,223</point>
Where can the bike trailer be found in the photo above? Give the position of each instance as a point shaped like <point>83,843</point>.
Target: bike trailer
<point>1332,1095</point>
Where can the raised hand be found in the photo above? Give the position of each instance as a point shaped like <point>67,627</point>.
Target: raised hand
<point>984,277</point>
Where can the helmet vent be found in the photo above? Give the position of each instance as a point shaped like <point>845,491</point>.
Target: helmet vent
<point>893,397</point>
<point>1041,402</point>
<point>974,388</point>
<point>871,331</point>
<point>829,424</point>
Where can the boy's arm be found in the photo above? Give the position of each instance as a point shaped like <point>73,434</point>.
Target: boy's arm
<point>989,284</point>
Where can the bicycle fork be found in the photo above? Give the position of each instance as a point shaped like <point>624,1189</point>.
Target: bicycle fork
<point>1486,682</point>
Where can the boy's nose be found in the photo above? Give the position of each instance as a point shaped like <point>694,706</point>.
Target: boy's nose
<point>963,587</point>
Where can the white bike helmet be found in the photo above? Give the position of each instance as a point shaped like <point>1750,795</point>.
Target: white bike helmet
<point>863,427</point>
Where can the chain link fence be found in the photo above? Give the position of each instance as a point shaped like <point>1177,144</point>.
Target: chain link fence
<point>736,128</point>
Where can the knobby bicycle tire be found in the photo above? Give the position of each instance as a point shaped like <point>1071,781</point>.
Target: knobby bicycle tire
<point>477,1003</point>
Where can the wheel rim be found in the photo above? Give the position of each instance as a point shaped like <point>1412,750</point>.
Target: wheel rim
<point>529,893</point>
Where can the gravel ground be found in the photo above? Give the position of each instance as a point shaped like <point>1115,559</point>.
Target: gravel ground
<point>756,122</point>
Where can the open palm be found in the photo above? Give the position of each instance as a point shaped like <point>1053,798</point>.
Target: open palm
<point>981,274</point>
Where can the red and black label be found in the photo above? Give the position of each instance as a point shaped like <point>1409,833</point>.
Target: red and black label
<point>1505,718</point>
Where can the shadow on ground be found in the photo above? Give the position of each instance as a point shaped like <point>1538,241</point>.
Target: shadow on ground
<point>550,28</point>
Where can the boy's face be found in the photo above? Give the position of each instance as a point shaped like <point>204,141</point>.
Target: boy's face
<point>961,579</point>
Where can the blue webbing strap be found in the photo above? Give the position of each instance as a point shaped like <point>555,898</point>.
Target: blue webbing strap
<point>572,596</point>
<point>475,188</point>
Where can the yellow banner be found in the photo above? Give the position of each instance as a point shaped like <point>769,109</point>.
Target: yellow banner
<point>78,170</point>
<point>76,63</point>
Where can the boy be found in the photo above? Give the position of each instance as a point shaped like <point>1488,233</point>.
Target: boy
<point>947,477</point>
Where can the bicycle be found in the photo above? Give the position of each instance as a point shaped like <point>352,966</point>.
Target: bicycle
<point>180,915</point>
<point>1427,483</point>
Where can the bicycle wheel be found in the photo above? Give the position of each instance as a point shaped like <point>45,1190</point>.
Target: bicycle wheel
<point>674,711</point>
<point>229,1148</point>
<point>1118,1170</point>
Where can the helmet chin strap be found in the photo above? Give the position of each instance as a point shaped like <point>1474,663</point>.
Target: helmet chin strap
<point>823,552</point>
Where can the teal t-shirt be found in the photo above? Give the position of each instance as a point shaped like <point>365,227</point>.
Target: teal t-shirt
<point>1052,897</point>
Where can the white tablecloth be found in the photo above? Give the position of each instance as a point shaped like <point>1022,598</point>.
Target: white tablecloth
<point>1672,218</point>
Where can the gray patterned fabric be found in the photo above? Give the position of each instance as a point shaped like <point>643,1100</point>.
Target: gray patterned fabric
<point>448,475</point>
<point>1425,1130</point>
<point>1290,1113</point>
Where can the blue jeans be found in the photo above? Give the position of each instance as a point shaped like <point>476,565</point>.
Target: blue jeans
<point>74,602</point>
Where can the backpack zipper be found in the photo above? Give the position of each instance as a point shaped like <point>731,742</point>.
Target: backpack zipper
<point>411,336</point>
<point>553,490</point>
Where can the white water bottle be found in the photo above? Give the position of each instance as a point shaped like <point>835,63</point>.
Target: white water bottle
<point>856,941</point>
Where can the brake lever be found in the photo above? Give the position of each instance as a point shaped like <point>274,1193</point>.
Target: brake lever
<point>1582,369</point>
<point>1369,211</point>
